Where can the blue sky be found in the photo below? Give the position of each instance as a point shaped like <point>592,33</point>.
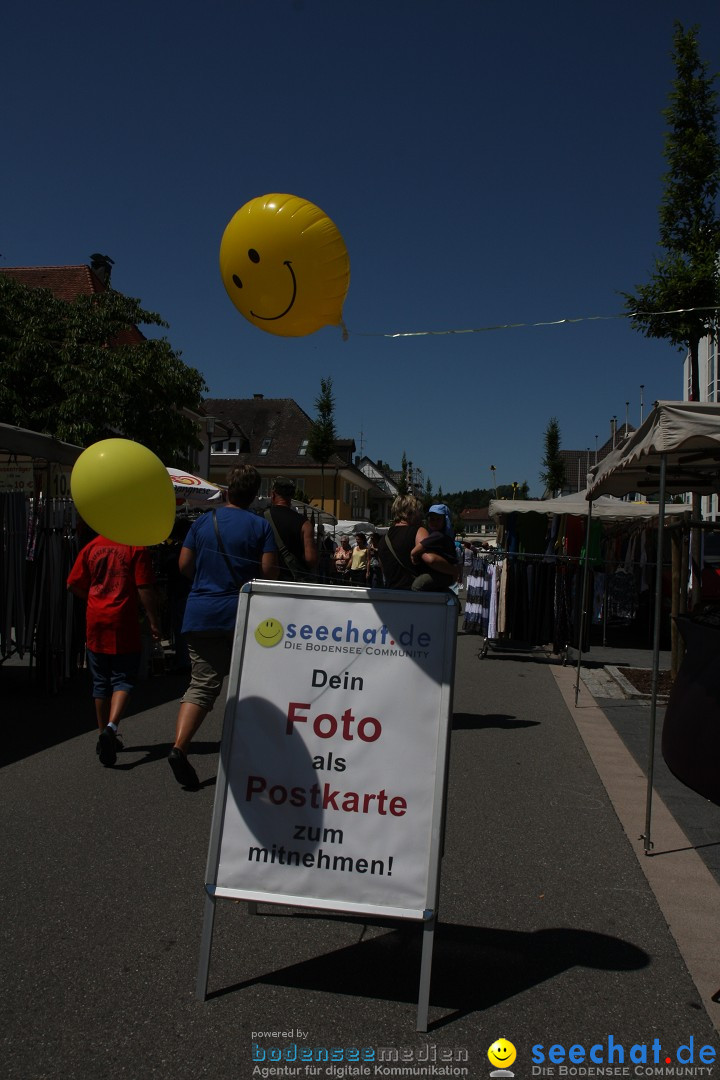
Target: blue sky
<point>486,161</point>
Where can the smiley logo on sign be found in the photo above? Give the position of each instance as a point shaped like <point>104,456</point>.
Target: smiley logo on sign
<point>269,633</point>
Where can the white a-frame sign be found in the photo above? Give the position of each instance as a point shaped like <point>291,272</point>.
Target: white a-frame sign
<point>331,785</point>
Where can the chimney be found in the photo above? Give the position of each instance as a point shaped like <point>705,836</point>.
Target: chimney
<point>102,266</point>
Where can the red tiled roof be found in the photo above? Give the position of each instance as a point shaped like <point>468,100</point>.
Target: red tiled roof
<point>68,283</point>
<point>64,282</point>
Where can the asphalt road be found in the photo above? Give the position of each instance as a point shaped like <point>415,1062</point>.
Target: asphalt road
<point>549,933</point>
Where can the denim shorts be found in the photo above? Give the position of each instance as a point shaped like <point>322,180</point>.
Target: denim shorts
<point>111,672</point>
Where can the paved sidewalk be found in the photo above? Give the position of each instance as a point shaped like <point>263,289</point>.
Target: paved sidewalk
<point>686,889</point>
<point>629,715</point>
<point>552,930</point>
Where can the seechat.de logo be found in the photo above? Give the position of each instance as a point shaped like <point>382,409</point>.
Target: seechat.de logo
<point>501,1054</point>
<point>269,633</point>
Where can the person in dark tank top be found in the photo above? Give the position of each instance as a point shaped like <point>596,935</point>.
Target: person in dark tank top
<point>295,532</point>
<point>396,546</point>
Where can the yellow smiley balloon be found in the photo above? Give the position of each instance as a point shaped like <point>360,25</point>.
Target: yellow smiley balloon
<point>285,265</point>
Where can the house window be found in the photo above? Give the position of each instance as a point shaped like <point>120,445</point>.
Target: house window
<point>226,446</point>
<point>303,447</point>
<point>265,446</point>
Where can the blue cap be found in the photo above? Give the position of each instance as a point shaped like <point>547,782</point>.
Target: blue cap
<point>443,511</point>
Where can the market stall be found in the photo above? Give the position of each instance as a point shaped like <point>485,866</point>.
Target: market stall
<point>676,450</point>
<point>38,546</point>
<point>529,589</point>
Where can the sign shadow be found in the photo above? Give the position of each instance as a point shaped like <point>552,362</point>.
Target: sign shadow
<point>511,962</point>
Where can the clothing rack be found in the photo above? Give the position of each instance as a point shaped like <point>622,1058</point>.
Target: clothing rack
<point>39,618</point>
<point>526,601</point>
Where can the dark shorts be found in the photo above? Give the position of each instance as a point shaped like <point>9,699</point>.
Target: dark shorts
<point>111,672</point>
<point>210,655</point>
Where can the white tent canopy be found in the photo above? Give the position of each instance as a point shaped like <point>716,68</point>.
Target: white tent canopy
<point>683,434</point>
<point>677,449</point>
<point>606,508</point>
<point>352,528</point>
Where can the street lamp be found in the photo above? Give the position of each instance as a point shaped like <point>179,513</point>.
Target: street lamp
<point>492,470</point>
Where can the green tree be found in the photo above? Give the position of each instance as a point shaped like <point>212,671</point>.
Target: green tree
<point>686,273</point>
<point>69,370</point>
<point>553,474</point>
<point>323,436</point>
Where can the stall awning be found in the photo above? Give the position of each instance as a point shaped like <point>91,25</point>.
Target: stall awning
<point>685,433</point>
<point>606,508</point>
<point>16,440</point>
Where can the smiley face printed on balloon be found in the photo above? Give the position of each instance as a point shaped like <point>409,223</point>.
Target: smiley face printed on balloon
<point>285,266</point>
<point>268,633</point>
<point>502,1054</point>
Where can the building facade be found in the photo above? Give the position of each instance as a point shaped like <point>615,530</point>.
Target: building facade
<point>273,434</point>
<point>709,391</point>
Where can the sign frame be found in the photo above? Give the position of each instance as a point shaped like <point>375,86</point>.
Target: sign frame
<point>345,602</point>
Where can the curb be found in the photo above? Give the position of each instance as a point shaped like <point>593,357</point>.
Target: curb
<point>627,687</point>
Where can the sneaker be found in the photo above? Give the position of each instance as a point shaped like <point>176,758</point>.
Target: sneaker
<point>183,770</point>
<point>107,747</point>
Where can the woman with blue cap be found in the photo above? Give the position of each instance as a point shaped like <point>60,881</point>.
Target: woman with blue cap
<point>404,536</point>
<point>439,541</point>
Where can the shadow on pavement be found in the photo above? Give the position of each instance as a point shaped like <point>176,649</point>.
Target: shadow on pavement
<point>521,657</point>
<point>33,720</point>
<point>472,721</point>
<point>474,968</point>
<point>157,751</point>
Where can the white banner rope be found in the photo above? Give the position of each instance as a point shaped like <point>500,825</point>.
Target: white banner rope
<point>551,322</point>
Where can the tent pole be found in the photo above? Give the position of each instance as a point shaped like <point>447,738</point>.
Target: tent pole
<point>583,611</point>
<point>656,657</point>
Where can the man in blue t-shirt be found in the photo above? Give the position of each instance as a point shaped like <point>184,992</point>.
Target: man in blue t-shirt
<point>223,550</point>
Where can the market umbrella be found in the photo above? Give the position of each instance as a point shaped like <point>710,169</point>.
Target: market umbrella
<point>193,488</point>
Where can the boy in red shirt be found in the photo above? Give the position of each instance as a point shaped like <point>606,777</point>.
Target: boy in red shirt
<point>112,577</point>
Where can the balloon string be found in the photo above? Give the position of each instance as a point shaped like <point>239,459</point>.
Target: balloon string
<point>516,325</point>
